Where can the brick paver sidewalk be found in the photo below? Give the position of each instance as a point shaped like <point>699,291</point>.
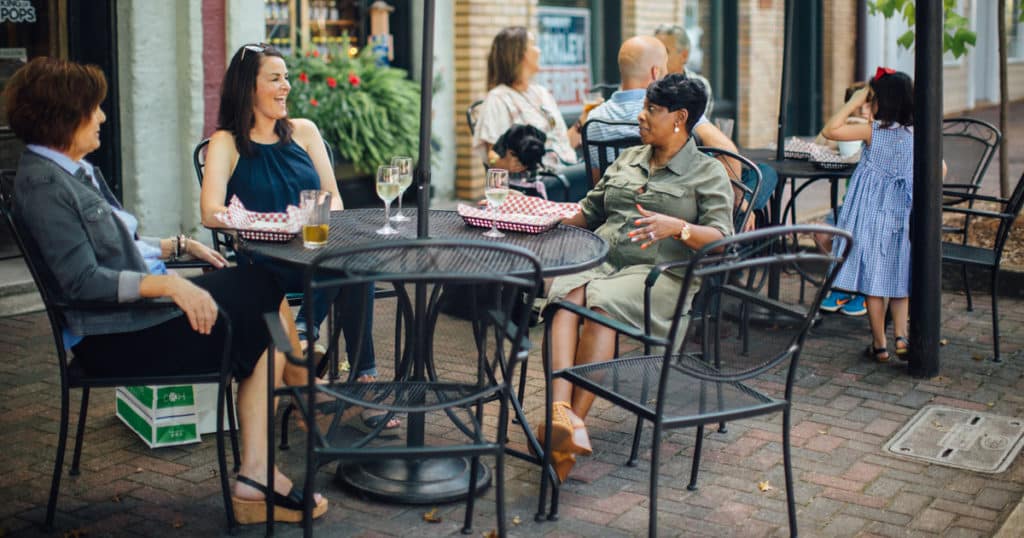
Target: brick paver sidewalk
<point>846,408</point>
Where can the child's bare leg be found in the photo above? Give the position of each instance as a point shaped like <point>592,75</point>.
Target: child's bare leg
<point>876,319</point>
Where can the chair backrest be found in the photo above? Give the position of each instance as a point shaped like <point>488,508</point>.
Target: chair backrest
<point>1011,208</point>
<point>968,146</point>
<point>747,181</point>
<point>603,141</point>
<point>42,277</point>
<point>503,275</point>
<point>733,332</point>
<point>473,115</point>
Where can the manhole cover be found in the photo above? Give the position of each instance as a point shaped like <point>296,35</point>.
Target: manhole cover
<point>960,438</point>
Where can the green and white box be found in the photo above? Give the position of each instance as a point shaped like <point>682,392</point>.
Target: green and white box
<point>161,416</point>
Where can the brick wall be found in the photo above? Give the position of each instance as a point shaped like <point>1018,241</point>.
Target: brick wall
<point>760,58</point>
<point>641,17</point>
<point>476,24</point>
<point>839,57</point>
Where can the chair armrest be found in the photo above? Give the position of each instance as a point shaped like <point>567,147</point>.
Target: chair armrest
<point>976,212</point>
<point>279,338</point>
<point>974,196</point>
<point>617,326</point>
<point>107,306</point>
<point>657,270</point>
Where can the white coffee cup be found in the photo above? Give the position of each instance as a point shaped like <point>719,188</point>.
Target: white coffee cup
<point>849,148</point>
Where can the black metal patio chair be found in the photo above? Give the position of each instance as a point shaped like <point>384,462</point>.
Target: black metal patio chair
<point>987,257</point>
<point>603,141</point>
<point>530,184</point>
<point>495,276</point>
<point>968,146</point>
<point>730,338</point>
<point>72,375</point>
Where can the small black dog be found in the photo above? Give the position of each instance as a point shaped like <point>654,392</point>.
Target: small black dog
<point>526,143</point>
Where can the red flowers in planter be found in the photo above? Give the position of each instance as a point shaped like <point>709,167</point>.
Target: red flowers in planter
<point>313,101</point>
<point>332,82</point>
<point>354,79</point>
<point>303,77</point>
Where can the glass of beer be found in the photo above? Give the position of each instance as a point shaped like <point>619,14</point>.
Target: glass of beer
<point>404,165</point>
<point>316,205</point>
<point>496,191</point>
<point>387,190</point>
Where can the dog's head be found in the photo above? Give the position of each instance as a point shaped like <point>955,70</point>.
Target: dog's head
<point>526,142</point>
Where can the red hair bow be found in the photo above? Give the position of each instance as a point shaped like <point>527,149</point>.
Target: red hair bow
<point>883,71</point>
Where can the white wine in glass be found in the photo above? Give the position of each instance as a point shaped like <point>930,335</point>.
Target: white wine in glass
<point>496,190</point>
<point>404,166</point>
<point>387,190</point>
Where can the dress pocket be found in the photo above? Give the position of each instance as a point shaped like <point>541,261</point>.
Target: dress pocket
<point>891,236</point>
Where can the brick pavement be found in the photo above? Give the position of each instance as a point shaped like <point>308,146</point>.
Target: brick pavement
<point>846,408</point>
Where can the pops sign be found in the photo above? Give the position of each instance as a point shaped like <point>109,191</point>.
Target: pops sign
<point>17,11</point>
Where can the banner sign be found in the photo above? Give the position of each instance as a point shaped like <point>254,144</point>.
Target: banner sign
<point>563,35</point>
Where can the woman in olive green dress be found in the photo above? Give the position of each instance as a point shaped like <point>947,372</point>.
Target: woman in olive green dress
<point>658,202</point>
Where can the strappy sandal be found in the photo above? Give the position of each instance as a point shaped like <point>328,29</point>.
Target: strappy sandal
<point>902,352</point>
<point>877,353</point>
<point>569,433</point>
<point>287,508</point>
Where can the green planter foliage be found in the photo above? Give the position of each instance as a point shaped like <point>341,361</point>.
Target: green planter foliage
<point>369,113</point>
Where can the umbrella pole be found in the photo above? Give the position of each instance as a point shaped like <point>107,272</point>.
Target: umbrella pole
<point>426,99</point>
<point>787,48</point>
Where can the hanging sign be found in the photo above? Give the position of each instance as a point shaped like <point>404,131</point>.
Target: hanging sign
<point>563,35</point>
<point>17,11</point>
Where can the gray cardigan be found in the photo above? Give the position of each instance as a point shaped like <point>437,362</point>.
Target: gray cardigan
<point>89,254</point>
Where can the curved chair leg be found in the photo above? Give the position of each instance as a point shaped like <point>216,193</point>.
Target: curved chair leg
<point>467,524</point>
<point>58,463</point>
<point>787,463</point>
<point>288,409</point>
<point>634,452</point>
<point>222,457</point>
<point>692,486</point>
<point>229,402</point>
<point>995,315</point>
<point>967,288</point>
<point>80,432</point>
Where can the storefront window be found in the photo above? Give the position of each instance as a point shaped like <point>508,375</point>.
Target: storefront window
<point>579,41</point>
<point>1014,31</point>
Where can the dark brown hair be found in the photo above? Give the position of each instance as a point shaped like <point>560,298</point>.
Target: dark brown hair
<point>852,89</point>
<point>237,95</point>
<point>507,52</point>
<point>894,95</point>
<point>48,99</point>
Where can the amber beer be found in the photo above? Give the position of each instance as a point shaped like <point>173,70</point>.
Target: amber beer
<point>314,235</point>
<point>316,205</point>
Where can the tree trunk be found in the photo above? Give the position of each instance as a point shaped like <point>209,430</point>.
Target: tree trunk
<point>1004,102</point>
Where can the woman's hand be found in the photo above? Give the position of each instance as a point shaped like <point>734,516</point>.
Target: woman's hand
<point>652,227</point>
<point>575,139</point>
<point>195,302</point>
<point>205,253</point>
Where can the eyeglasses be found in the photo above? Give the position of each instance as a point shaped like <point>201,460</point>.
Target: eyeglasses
<point>257,48</point>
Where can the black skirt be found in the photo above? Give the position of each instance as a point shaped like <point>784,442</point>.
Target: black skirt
<point>244,293</point>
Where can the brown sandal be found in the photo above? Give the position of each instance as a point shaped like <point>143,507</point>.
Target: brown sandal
<point>570,434</point>
<point>287,508</point>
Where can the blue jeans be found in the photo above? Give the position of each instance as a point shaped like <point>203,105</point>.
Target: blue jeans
<point>769,178</point>
<point>355,321</point>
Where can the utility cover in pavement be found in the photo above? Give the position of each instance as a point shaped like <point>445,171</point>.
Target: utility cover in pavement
<point>960,438</point>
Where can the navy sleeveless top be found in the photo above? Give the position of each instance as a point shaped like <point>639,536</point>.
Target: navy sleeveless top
<point>273,177</point>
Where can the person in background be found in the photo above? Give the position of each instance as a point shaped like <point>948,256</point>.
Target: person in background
<point>877,206</point>
<point>643,60</point>
<point>266,159</point>
<point>92,252</point>
<point>512,98</point>
<point>657,202</point>
<point>677,43</point>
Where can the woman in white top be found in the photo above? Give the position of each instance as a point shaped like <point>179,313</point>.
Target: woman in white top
<point>513,99</point>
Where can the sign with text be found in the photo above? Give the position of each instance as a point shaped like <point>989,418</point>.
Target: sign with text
<point>563,35</point>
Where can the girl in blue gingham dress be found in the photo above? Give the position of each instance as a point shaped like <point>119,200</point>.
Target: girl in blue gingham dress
<point>877,206</point>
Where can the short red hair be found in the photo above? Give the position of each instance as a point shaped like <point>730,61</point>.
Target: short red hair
<point>47,100</point>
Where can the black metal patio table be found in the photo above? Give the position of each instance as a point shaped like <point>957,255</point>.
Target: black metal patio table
<point>561,250</point>
<point>790,170</point>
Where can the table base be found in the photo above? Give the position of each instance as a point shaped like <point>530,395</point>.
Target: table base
<point>432,481</point>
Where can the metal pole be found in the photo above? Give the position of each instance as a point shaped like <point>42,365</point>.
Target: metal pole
<point>787,75</point>
<point>925,240</point>
<point>426,99</point>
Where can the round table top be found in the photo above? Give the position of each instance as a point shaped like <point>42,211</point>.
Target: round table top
<point>561,250</point>
<point>793,167</point>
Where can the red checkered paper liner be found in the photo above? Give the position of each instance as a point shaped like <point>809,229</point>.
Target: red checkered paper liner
<point>257,226</point>
<point>796,148</point>
<point>528,214</point>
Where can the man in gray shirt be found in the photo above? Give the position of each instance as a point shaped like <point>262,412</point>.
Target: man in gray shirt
<point>677,41</point>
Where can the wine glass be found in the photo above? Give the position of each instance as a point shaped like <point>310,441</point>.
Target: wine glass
<point>404,166</point>
<point>496,190</point>
<point>387,190</point>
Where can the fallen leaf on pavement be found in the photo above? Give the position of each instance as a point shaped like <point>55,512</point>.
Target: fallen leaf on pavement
<point>491,534</point>
<point>943,341</point>
<point>764,486</point>
<point>431,516</point>
<point>516,520</point>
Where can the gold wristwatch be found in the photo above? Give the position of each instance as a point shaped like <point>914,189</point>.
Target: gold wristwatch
<point>684,234</point>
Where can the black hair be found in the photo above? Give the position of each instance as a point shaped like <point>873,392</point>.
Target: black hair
<point>894,95</point>
<point>676,91</point>
<point>237,95</point>
<point>526,142</point>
